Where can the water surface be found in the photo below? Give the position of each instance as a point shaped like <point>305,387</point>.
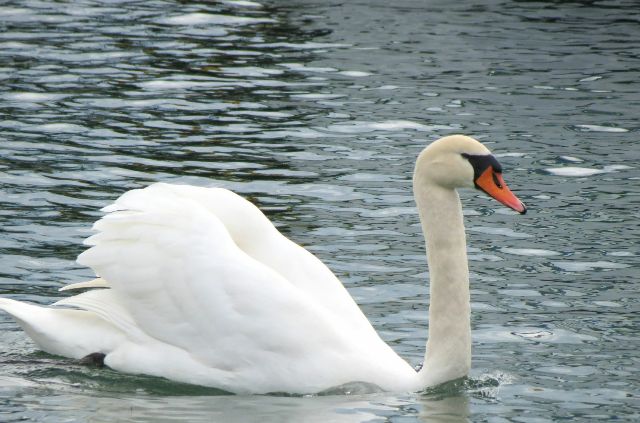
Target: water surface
<point>316,111</point>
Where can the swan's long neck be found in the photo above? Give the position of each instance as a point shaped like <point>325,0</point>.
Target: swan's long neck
<point>448,354</point>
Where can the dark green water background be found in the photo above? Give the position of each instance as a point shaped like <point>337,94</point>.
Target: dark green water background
<point>316,111</point>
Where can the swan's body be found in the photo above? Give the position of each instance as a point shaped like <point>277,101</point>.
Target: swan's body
<point>202,288</point>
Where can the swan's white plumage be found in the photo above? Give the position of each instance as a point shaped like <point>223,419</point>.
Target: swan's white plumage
<point>197,285</point>
<point>202,280</point>
<point>93,283</point>
<point>70,333</point>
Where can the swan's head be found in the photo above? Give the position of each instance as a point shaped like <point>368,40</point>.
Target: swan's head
<point>458,161</point>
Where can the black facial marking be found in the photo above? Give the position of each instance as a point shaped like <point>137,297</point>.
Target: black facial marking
<point>482,163</point>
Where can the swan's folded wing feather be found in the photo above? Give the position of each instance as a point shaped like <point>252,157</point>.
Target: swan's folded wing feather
<point>106,304</point>
<point>185,282</point>
<point>93,283</point>
<point>256,236</point>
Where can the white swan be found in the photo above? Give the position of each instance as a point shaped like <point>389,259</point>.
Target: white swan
<point>202,288</point>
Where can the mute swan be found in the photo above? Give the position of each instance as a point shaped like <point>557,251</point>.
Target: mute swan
<point>196,285</point>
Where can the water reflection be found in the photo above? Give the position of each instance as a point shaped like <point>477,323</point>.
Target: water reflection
<point>339,409</point>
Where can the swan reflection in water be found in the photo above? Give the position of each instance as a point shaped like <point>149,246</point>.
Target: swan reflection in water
<point>267,409</point>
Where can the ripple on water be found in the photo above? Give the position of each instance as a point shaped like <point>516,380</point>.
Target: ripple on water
<point>495,333</point>
<point>585,266</point>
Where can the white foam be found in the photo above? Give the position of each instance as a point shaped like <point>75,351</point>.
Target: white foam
<point>529,252</point>
<point>392,125</point>
<point>573,171</point>
<point>585,266</point>
<point>16,45</point>
<point>511,154</point>
<point>471,212</point>
<point>9,11</point>
<point>484,257</point>
<point>302,68</point>
<point>199,18</point>
<point>550,303</point>
<point>615,168</point>
<point>607,304</point>
<point>274,115</point>
<point>577,172</point>
<point>163,124</point>
<point>388,212</point>
<point>621,254</point>
<point>168,84</point>
<point>61,127</point>
<point>303,46</point>
<point>571,159</point>
<point>554,336</point>
<point>356,127</point>
<point>356,74</point>
<point>318,96</point>
<point>241,3</point>
<point>569,370</point>
<point>600,128</point>
<point>12,383</point>
<point>34,97</point>
<point>499,231</point>
<point>250,71</point>
<point>521,292</point>
<point>385,87</point>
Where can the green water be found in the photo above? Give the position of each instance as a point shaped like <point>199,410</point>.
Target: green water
<point>316,112</point>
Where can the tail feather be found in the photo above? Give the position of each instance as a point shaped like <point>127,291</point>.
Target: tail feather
<point>65,332</point>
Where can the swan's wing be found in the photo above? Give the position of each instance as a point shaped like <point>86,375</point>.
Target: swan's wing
<point>253,233</point>
<point>107,305</point>
<point>184,281</point>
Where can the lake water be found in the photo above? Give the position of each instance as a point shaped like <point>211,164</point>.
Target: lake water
<point>316,112</point>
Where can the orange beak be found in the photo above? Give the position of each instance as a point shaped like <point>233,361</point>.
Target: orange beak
<point>492,183</point>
